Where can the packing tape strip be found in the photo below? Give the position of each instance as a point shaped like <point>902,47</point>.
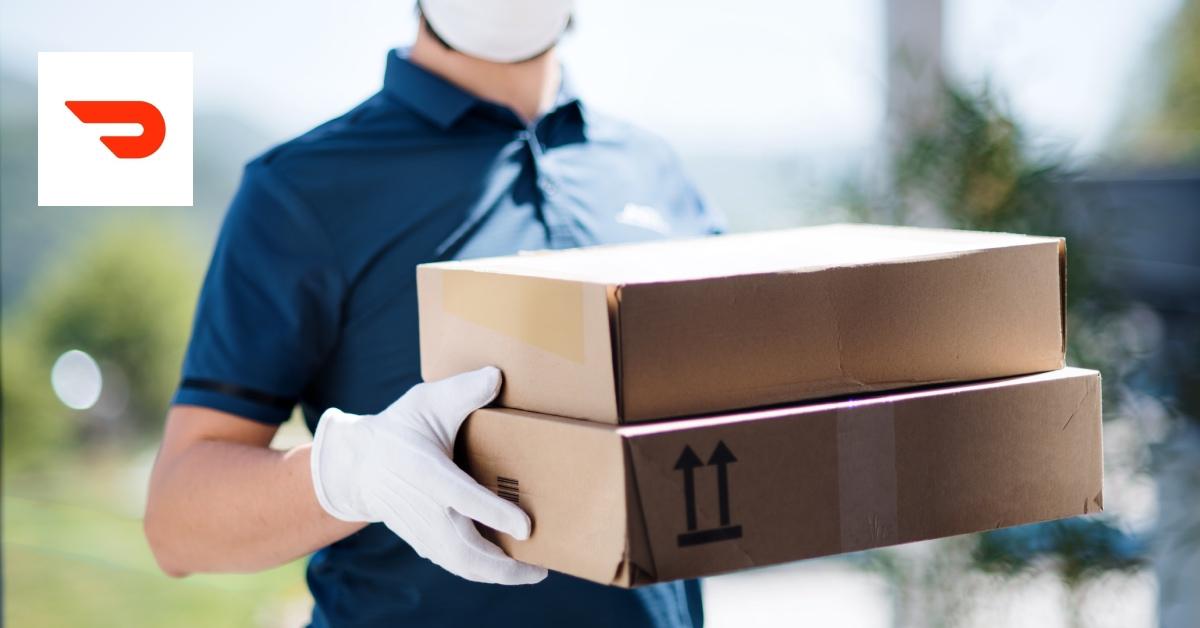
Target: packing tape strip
<point>544,313</point>
<point>866,440</point>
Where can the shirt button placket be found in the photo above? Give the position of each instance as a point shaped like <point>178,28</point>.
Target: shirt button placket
<point>557,226</point>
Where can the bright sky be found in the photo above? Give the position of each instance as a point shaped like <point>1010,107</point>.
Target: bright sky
<point>746,76</point>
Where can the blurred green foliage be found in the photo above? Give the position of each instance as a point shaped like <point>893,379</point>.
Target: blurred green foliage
<point>74,481</point>
<point>1084,547</point>
<point>125,297</point>
<point>1165,128</point>
<point>976,168</point>
<point>74,557</point>
<point>34,422</point>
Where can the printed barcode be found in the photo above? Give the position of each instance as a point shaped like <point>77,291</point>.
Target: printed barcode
<point>509,489</point>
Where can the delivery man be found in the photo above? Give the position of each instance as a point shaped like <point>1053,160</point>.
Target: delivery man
<point>475,146</point>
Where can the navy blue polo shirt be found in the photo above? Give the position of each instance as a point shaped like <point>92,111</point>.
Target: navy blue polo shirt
<point>310,299</point>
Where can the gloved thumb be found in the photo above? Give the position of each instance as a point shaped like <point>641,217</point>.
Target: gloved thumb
<point>450,400</point>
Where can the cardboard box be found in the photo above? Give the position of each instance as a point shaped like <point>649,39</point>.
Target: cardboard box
<point>633,505</point>
<point>620,334</point>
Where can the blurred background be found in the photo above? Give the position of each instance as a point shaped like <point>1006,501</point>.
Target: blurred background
<point>1061,117</point>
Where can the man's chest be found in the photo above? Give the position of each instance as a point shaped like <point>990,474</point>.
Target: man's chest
<point>515,201</point>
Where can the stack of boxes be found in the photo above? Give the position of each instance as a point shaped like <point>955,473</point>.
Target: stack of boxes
<point>686,408</point>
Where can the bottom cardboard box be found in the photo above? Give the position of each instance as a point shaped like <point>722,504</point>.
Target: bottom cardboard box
<point>633,505</point>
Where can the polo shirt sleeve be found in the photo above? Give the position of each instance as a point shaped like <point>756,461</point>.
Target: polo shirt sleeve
<point>268,312</point>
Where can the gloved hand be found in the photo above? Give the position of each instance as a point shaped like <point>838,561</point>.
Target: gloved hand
<point>397,467</point>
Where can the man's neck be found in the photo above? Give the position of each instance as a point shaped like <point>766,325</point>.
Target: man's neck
<point>527,88</point>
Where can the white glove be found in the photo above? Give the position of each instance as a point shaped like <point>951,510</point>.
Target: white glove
<point>397,467</point>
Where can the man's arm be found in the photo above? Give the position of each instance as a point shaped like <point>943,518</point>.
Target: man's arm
<point>222,500</point>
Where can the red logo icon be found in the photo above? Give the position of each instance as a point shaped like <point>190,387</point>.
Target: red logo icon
<point>154,128</point>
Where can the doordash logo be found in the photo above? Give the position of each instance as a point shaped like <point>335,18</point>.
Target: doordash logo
<point>115,128</point>
<point>154,128</point>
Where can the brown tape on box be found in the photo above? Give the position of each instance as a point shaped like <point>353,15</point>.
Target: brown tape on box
<point>544,313</point>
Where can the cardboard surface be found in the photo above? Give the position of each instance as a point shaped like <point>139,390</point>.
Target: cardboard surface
<point>632,505</point>
<point>620,334</point>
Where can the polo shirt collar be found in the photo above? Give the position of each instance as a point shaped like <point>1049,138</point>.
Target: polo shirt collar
<point>439,100</point>
<point>430,95</point>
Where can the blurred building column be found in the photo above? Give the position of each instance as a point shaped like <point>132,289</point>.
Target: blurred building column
<point>913,45</point>
<point>914,65</point>
<point>1177,541</point>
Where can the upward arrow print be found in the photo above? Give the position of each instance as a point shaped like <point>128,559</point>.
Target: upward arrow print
<point>721,456</point>
<point>688,461</point>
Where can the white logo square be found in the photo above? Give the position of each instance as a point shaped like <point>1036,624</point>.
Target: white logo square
<point>101,116</point>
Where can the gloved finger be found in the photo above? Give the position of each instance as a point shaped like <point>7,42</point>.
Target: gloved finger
<point>452,486</point>
<point>448,401</point>
<point>447,486</point>
<point>458,396</point>
<point>419,521</point>
<point>475,558</point>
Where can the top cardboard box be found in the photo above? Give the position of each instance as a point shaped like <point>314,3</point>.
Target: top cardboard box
<point>628,333</point>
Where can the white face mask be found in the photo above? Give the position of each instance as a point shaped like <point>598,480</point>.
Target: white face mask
<point>503,31</point>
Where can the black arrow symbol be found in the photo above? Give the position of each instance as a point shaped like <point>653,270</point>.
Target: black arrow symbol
<point>720,457</point>
<point>688,461</point>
